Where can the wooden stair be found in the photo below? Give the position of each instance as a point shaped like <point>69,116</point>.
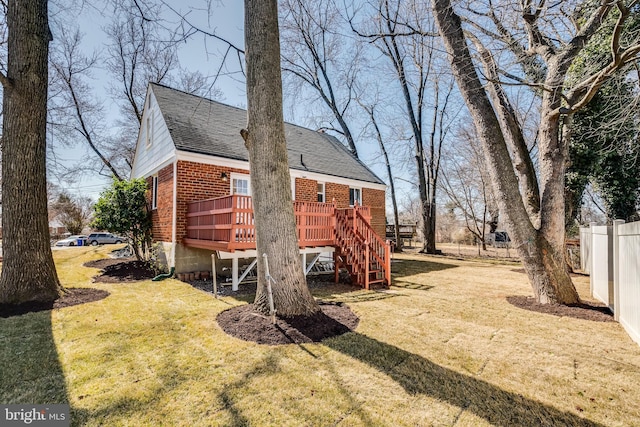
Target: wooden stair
<point>360,250</point>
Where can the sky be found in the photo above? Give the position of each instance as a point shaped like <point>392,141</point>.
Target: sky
<point>199,53</point>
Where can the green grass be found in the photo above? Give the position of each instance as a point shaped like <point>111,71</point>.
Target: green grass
<point>443,347</point>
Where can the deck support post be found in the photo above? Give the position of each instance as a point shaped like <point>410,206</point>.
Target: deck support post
<point>234,274</point>
<point>214,275</point>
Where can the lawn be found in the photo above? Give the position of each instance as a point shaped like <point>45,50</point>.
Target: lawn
<point>441,347</point>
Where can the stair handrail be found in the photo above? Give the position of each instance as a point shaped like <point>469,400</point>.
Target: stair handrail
<point>358,233</point>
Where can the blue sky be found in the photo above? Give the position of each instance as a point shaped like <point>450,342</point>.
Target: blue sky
<point>199,53</point>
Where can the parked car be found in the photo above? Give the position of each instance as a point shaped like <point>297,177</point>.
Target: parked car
<point>104,238</point>
<point>73,241</point>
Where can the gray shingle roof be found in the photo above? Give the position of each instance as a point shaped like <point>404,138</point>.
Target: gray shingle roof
<point>200,125</point>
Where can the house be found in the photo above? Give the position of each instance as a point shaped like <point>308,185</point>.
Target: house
<point>190,151</point>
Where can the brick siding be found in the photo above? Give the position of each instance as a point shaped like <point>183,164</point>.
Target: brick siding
<point>376,201</point>
<point>162,216</point>
<point>306,190</point>
<point>198,181</point>
<point>339,192</point>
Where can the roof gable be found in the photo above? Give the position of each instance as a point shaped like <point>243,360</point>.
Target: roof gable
<point>203,126</point>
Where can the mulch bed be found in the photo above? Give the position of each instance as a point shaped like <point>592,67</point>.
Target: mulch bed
<point>72,296</point>
<point>117,270</point>
<point>585,311</point>
<point>247,324</point>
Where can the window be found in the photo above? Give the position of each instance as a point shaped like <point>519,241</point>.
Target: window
<point>321,192</point>
<point>355,195</point>
<point>240,185</point>
<point>154,192</point>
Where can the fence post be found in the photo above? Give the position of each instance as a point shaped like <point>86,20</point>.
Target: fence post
<point>616,269</point>
<point>591,258</point>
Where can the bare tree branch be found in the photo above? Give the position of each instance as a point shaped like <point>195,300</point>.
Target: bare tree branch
<point>521,160</point>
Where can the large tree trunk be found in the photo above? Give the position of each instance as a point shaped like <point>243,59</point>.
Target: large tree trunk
<point>539,250</point>
<point>429,226</point>
<point>28,271</point>
<point>270,180</point>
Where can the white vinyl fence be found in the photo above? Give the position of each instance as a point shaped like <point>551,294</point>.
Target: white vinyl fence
<point>627,277</point>
<point>602,275</point>
<point>614,266</point>
<point>585,249</point>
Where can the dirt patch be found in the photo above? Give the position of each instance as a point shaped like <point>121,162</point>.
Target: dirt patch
<point>72,296</point>
<point>119,271</point>
<point>585,311</point>
<point>245,323</point>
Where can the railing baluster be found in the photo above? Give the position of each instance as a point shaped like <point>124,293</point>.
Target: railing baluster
<point>230,220</point>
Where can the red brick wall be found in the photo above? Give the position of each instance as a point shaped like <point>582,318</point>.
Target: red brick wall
<point>375,199</point>
<point>162,216</point>
<point>338,192</point>
<point>198,181</point>
<point>306,190</point>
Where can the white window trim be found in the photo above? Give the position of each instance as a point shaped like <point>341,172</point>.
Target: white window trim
<point>154,192</point>
<point>293,188</point>
<point>359,200</point>
<point>235,175</point>
<point>324,191</point>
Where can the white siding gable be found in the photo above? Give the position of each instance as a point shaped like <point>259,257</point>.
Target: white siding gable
<point>154,148</point>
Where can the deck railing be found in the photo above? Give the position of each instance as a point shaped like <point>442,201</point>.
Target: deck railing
<point>315,223</point>
<point>227,224</point>
<point>368,255</point>
<point>229,221</point>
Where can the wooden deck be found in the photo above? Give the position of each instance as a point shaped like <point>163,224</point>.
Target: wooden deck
<point>226,223</point>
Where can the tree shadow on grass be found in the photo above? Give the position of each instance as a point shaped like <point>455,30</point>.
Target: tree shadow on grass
<point>411,285</point>
<point>408,267</point>
<point>421,376</point>
<point>30,366</point>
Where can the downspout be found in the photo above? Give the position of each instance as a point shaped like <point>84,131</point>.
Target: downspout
<point>174,222</point>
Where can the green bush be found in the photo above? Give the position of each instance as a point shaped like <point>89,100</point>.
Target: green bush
<point>123,209</point>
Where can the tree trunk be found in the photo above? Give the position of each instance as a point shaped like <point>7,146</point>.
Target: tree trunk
<point>396,216</point>
<point>429,226</point>
<point>542,260</point>
<point>270,180</point>
<point>28,271</point>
